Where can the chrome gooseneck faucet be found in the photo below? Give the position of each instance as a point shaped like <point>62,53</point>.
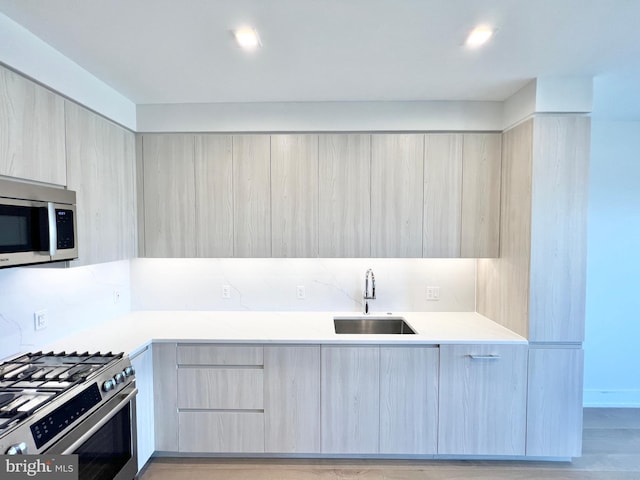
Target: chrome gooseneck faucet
<point>369,295</point>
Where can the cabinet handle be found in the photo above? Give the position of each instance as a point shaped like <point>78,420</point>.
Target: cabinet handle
<point>484,357</point>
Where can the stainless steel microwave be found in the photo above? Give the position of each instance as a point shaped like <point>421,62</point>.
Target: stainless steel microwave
<point>37,224</point>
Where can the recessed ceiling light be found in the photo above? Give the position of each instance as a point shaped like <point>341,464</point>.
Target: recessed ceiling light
<point>479,36</point>
<point>247,38</point>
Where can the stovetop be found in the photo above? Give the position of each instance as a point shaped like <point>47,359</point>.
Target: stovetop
<point>32,380</point>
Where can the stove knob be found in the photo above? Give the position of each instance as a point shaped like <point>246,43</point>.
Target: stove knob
<point>129,371</point>
<point>109,385</point>
<point>18,449</point>
<point>119,378</point>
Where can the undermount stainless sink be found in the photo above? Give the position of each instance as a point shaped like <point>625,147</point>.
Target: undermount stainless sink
<point>368,325</point>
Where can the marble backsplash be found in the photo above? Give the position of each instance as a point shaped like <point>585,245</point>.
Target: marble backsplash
<point>80,297</point>
<point>74,298</point>
<point>329,284</point>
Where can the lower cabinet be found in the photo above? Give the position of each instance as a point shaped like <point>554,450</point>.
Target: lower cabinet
<point>379,400</point>
<point>483,399</point>
<point>554,411</point>
<point>165,397</point>
<point>220,399</point>
<point>143,365</point>
<point>409,400</point>
<point>350,399</point>
<point>362,399</point>
<point>292,399</point>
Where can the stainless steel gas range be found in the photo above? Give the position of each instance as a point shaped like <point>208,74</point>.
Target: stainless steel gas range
<point>71,403</point>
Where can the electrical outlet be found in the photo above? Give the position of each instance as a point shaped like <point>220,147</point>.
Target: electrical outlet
<point>40,320</point>
<point>433,293</point>
<point>116,297</point>
<point>300,293</point>
<point>226,291</point>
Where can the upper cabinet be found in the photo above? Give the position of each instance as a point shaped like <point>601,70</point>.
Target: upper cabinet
<point>252,195</point>
<point>101,169</point>
<point>344,195</point>
<point>480,226</point>
<point>214,197</point>
<point>397,164</point>
<point>294,195</point>
<point>32,132</point>
<point>442,195</point>
<point>328,195</point>
<point>169,195</point>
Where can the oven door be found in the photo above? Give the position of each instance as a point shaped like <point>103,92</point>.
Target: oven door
<point>105,442</point>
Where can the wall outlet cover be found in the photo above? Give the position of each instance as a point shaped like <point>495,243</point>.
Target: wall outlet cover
<point>300,293</point>
<point>40,320</point>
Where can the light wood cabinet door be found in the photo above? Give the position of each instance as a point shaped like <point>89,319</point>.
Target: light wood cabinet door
<point>481,166</point>
<point>169,195</point>
<point>397,166</point>
<point>32,136</point>
<point>344,195</point>
<point>554,409</point>
<point>143,366</point>
<point>482,406</point>
<point>442,195</point>
<point>252,195</point>
<point>165,397</point>
<point>219,388</point>
<point>221,432</point>
<point>229,355</point>
<point>559,228</point>
<point>214,196</point>
<point>294,195</point>
<point>292,399</point>
<point>101,169</point>
<point>350,403</point>
<point>409,400</point>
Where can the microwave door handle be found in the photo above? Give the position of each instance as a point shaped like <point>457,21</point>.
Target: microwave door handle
<point>53,229</point>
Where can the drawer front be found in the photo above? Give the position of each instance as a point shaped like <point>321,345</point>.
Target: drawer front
<point>220,355</point>
<point>220,388</point>
<point>221,432</point>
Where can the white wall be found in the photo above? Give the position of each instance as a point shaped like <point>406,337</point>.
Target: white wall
<point>75,298</point>
<point>612,365</point>
<point>330,284</point>
<point>320,116</point>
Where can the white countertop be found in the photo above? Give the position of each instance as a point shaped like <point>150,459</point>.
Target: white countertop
<point>132,332</point>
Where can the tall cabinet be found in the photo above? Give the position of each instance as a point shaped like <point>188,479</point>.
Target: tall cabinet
<point>537,286</point>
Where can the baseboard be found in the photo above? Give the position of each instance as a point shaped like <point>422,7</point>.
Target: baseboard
<point>612,398</point>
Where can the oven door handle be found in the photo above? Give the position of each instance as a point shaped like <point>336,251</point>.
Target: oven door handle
<point>101,423</point>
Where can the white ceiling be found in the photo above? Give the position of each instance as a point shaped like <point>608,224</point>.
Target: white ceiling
<point>171,51</point>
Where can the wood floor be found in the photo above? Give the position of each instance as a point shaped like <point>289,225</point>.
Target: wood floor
<point>611,451</point>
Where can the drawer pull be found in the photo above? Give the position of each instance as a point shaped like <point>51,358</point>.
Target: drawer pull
<point>484,357</point>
